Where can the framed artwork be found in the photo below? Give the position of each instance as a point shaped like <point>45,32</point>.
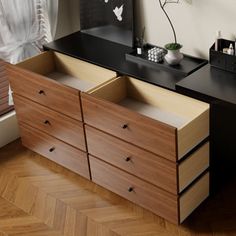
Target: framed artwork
<point>108,19</point>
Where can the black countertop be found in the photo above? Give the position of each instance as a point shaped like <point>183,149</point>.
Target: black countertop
<point>211,84</point>
<point>111,55</point>
<point>208,83</point>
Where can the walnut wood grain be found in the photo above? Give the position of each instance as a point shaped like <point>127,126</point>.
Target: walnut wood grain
<point>172,207</point>
<point>55,150</point>
<point>53,123</point>
<point>148,196</point>
<point>143,164</point>
<point>45,91</point>
<point>3,76</point>
<point>3,92</point>
<point>135,128</point>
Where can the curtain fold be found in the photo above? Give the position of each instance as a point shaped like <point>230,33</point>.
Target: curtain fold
<point>25,25</point>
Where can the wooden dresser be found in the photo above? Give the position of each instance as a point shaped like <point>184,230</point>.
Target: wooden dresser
<point>143,144</point>
<point>47,101</point>
<point>138,140</point>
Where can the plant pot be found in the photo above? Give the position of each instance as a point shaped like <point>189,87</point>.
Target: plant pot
<point>174,57</point>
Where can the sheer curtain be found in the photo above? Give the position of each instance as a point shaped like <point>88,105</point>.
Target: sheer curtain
<point>25,25</point>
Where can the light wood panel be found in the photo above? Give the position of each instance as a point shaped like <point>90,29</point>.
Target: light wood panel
<point>102,214</point>
<point>193,166</point>
<point>53,123</point>
<point>83,70</point>
<point>41,64</point>
<point>165,99</point>
<point>193,133</point>
<point>55,150</point>
<point>142,131</point>
<point>194,197</point>
<point>113,91</point>
<point>48,62</point>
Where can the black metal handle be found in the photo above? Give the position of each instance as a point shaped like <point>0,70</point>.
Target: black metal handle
<point>128,159</point>
<point>131,189</point>
<point>47,122</point>
<point>41,92</point>
<point>51,149</point>
<point>125,126</point>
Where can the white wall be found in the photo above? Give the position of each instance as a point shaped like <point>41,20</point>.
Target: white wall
<point>196,24</point>
<point>8,129</point>
<point>68,19</point>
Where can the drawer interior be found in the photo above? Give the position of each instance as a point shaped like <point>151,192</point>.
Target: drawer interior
<point>68,70</point>
<point>152,101</point>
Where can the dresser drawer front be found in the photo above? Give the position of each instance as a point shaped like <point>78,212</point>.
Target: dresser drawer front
<point>45,91</point>
<point>55,150</point>
<point>146,195</point>
<point>139,130</point>
<point>143,164</point>
<point>53,123</point>
<point>172,207</point>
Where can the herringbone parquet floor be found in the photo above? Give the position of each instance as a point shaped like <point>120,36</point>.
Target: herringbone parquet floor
<point>39,198</point>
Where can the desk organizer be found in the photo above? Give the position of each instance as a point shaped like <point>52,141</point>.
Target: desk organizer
<point>186,67</point>
<point>222,60</point>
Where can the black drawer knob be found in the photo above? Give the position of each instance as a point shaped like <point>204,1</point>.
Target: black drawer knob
<point>41,92</point>
<point>131,189</point>
<point>47,122</point>
<point>125,126</point>
<point>51,149</point>
<point>128,159</point>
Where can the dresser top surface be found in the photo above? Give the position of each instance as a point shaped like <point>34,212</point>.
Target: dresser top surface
<point>112,56</point>
<point>211,83</point>
<point>207,83</point>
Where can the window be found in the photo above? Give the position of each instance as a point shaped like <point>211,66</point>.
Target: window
<point>4,86</point>
<point>24,27</point>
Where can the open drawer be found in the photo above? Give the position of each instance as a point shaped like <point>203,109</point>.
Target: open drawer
<point>158,120</point>
<point>54,80</point>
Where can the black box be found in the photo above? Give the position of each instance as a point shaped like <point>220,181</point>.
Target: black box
<point>222,60</point>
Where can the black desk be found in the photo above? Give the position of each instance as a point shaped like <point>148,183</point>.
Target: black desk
<point>212,85</point>
<point>217,87</point>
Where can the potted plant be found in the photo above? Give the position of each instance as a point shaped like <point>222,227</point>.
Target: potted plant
<point>173,56</point>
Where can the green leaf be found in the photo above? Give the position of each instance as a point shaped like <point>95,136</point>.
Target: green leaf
<point>173,46</point>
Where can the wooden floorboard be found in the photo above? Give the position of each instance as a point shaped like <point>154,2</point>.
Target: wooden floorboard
<point>38,197</point>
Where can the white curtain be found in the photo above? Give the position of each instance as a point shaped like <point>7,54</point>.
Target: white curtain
<point>25,25</point>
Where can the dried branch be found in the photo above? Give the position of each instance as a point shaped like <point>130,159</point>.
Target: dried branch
<point>162,5</point>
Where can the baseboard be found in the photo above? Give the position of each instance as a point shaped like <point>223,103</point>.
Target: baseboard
<point>9,130</point>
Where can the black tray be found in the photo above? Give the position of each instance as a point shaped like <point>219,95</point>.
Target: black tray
<point>187,66</point>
